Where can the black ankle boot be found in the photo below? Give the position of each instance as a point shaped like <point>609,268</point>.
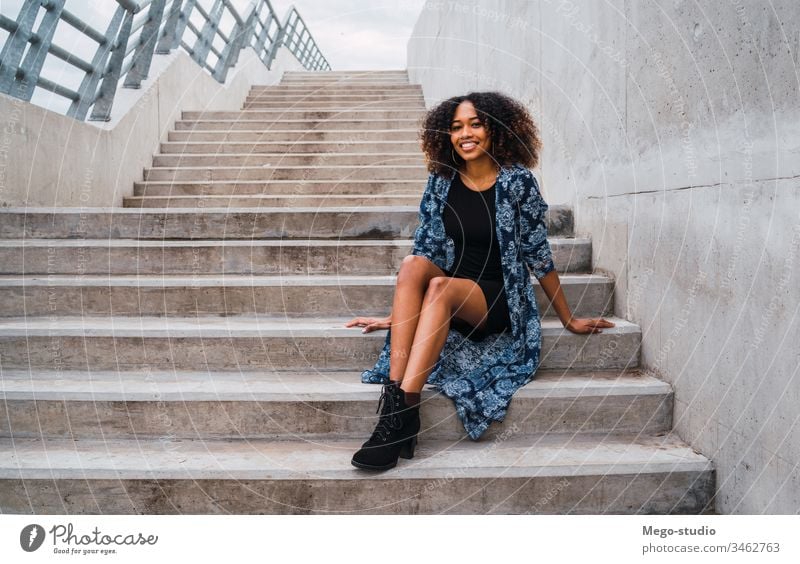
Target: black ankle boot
<point>394,436</point>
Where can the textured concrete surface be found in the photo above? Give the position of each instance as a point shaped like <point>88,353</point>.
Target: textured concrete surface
<point>254,343</point>
<point>343,222</point>
<point>59,161</point>
<point>673,129</point>
<point>159,294</point>
<point>237,256</point>
<point>291,405</point>
<point>554,473</point>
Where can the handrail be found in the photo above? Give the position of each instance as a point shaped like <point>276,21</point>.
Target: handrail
<point>121,54</point>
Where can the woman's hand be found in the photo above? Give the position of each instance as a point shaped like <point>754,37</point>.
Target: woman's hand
<point>587,324</point>
<point>370,323</point>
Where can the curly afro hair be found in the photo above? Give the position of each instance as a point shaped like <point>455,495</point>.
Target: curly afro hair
<point>514,135</point>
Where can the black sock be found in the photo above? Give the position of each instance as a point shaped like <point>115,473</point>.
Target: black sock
<point>412,399</point>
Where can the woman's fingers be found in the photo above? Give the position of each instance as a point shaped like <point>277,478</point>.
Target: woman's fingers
<point>359,322</point>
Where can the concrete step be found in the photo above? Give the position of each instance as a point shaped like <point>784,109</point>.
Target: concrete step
<point>266,223</point>
<point>371,192</point>
<point>338,81</point>
<point>257,343</point>
<point>324,97</point>
<point>336,105</point>
<point>290,159</point>
<point>228,133</point>
<point>262,256</point>
<point>388,171</point>
<point>588,295</point>
<point>289,148</point>
<point>348,73</point>
<point>306,405</point>
<point>340,223</point>
<point>263,201</point>
<point>552,473</point>
<point>307,114</point>
<point>345,130</point>
<point>341,88</point>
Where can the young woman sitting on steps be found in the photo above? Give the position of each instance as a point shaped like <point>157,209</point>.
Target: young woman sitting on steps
<point>482,232</point>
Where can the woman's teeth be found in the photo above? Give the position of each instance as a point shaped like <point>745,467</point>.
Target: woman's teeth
<point>468,146</point>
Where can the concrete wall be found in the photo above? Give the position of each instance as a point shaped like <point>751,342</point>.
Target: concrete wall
<point>674,130</point>
<point>48,159</point>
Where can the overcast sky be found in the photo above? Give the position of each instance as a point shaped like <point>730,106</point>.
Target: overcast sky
<point>352,34</point>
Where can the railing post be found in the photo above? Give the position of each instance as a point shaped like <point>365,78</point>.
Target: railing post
<point>88,89</point>
<point>31,65</point>
<point>241,31</point>
<point>203,44</point>
<point>143,55</point>
<point>108,87</point>
<point>280,38</point>
<point>167,41</point>
<point>15,45</point>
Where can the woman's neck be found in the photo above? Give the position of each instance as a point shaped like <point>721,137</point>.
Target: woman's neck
<point>480,171</point>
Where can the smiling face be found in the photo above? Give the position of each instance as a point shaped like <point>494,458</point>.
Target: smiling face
<point>468,133</point>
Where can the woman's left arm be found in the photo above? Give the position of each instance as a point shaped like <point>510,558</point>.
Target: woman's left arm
<point>537,255</point>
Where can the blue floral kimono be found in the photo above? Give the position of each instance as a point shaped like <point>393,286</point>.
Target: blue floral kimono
<point>481,376</point>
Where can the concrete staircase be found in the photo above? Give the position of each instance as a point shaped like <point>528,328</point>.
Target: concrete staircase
<point>186,354</point>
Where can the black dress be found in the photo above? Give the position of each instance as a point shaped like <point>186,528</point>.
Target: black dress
<point>469,220</point>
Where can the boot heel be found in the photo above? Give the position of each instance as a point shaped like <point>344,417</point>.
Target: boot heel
<point>407,450</point>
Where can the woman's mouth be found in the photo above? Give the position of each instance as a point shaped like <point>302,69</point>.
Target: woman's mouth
<point>468,146</point>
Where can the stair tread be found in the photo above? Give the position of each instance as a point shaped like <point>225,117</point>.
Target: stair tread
<point>277,155</point>
<point>234,280</point>
<point>320,386</point>
<point>272,242</point>
<point>230,326</point>
<point>304,167</point>
<point>550,454</point>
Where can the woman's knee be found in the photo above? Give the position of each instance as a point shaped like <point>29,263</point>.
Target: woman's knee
<point>439,291</point>
<point>414,269</point>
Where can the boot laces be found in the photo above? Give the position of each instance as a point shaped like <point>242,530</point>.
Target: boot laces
<point>389,421</point>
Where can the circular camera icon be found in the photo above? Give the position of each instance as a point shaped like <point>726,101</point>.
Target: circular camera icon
<point>31,538</point>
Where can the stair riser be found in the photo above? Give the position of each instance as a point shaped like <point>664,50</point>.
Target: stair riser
<point>326,77</point>
<point>249,134</point>
<point>214,419</point>
<point>337,106</point>
<point>345,81</point>
<point>667,492</point>
<point>208,224</point>
<point>281,224</point>
<point>376,193</point>
<point>297,352</point>
<point>308,115</point>
<point>387,172</point>
<point>338,89</point>
<point>341,131</point>
<point>203,202</point>
<point>198,259</point>
<point>297,300</point>
<point>289,148</point>
<point>330,159</point>
<point>324,98</point>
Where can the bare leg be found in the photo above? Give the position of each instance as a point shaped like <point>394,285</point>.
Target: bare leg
<point>412,282</point>
<point>445,298</point>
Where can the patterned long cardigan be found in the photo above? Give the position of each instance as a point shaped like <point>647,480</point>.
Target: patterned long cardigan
<point>482,376</point>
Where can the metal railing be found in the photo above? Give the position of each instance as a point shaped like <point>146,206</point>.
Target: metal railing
<point>133,35</point>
